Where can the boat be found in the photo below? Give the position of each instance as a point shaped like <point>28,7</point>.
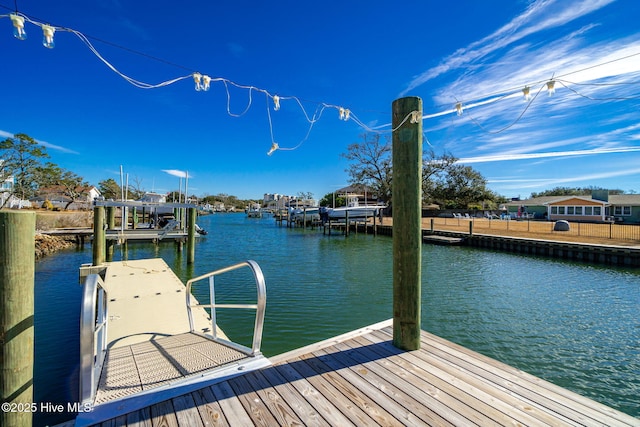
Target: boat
<point>308,214</point>
<point>354,210</point>
<point>254,211</point>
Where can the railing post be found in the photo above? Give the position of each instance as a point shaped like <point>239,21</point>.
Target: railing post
<point>17,272</point>
<point>407,233</point>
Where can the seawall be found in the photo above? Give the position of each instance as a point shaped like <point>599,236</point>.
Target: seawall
<point>582,252</point>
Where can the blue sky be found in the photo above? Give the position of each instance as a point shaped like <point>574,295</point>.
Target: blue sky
<point>143,112</point>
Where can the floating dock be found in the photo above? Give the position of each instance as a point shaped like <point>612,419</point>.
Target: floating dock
<point>154,348</point>
<point>442,240</point>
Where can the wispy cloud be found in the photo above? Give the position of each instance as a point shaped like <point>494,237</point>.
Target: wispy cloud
<point>529,156</point>
<point>5,134</point>
<point>546,182</point>
<point>175,172</point>
<point>539,16</point>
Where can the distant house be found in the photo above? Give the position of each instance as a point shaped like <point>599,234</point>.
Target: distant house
<point>363,193</point>
<point>599,207</point>
<point>60,197</point>
<point>6,187</point>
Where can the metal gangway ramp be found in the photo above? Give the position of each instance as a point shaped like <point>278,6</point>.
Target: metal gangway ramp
<point>144,337</point>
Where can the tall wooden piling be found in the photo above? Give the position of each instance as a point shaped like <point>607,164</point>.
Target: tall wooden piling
<point>17,273</point>
<point>191,235</point>
<point>406,201</point>
<point>99,236</point>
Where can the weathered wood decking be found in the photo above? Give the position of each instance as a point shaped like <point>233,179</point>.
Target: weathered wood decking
<point>361,379</point>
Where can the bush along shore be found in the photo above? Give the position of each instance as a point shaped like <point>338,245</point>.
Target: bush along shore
<point>46,244</point>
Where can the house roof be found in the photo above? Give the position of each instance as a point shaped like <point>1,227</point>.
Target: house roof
<point>614,199</point>
<point>355,190</point>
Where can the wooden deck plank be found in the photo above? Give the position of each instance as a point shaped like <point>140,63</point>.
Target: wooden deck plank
<point>208,408</point>
<point>353,393</point>
<point>322,405</point>
<point>298,402</point>
<point>361,379</point>
<point>467,405</point>
<point>412,412</point>
<point>372,388</point>
<point>163,415</point>
<point>285,416</point>
<point>141,418</point>
<point>232,408</point>
<point>562,402</point>
<point>355,414</point>
<point>253,404</point>
<point>418,398</point>
<point>501,408</point>
<point>186,411</point>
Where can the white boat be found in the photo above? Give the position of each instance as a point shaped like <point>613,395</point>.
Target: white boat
<point>309,213</point>
<point>254,211</point>
<point>354,210</point>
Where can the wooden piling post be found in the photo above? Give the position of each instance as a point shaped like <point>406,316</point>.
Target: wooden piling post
<point>134,218</point>
<point>17,275</point>
<point>99,236</point>
<point>191,235</point>
<point>407,242</point>
<point>111,218</point>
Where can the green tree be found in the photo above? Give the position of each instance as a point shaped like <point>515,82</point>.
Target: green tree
<point>434,170</point>
<point>110,189</point>
<point>572,191</point>
<point>371,164</point>
<point>460,187</point>
<point>61,180</point>
<point>21,156</point>
<point>332,200</point>
<point>444,181</point>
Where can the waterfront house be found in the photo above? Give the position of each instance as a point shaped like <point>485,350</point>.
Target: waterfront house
<point>63,197</point>
<point>599,207</point>
<point>6,188</point>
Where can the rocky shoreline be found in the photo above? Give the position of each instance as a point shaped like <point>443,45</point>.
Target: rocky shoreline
<point>46,244</point>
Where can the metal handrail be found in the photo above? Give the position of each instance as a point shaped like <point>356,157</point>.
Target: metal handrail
<point>260,306</point>
<point>93,336</point>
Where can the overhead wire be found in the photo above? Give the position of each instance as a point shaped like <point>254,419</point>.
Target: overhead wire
<point>344,114</point>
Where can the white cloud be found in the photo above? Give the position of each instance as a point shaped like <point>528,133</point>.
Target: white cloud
<point>5,134</point>
<point>539,16</point>
<point>528,156</point>
<point>175,172</point>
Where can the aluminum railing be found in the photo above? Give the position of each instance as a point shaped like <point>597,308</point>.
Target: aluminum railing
<point>259,306</point>
<point>93,336</point>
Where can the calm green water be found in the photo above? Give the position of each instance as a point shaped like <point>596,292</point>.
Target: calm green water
<point>572,324</point>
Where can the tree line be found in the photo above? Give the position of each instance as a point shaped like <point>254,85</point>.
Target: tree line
<point>445,182</point>
<point>24,159</point>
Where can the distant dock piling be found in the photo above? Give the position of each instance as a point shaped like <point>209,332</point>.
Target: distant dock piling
<point>17,276</point>
<point>99,236</point>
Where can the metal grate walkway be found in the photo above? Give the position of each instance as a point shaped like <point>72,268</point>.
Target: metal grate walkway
<point>134,368</point>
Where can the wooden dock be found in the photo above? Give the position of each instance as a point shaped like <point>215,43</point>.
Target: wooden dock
<point>361,379</point>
